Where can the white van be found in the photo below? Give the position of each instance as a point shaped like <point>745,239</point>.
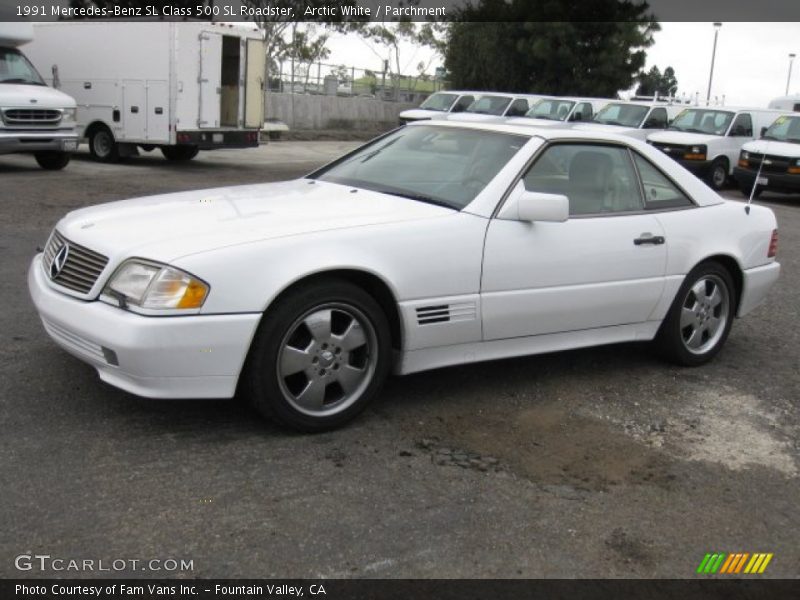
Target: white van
<point>634,119</point>
<point>786,103</point>
<point>707,140</point>
<point>774,159</point>
<point>181,87</point>
<point>435,105</point>
<point>554,111</point>
<point>34,118</point>
<point>493,106</point>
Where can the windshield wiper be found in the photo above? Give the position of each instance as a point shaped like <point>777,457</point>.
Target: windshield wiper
<point>693,130</point>
<point>21,80</point>
<point>418,197</point>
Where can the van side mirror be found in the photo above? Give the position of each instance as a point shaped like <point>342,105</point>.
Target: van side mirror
<point>535,206</point>
<point>764,131</point>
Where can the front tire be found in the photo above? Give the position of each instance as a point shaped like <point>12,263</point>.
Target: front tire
<point>700,318</point>
<point>52,161</point>
<point>102,145</point>
<point>320,355</point>
<point>718,174</point>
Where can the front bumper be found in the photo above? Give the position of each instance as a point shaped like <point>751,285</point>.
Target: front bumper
<point>779,182</point>
<point>197,356</point>
<point>12,142</point>
<point>756,283</point>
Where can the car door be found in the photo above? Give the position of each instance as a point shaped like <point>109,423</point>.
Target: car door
<point>739,133</point>
<point>602,267</point>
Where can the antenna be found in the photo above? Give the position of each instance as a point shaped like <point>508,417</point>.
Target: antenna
<point>758,176</point>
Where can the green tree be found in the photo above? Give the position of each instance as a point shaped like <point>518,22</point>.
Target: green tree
<point>523,46</point>
<point>655,82</point>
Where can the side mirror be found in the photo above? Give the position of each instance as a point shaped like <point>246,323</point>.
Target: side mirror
<point>764,131</point>
<point>535,206</point>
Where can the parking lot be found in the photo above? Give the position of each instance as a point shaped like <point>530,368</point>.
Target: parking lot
<point>604,462</point>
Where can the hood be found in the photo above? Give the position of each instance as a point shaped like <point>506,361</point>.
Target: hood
<point>169,226</point>
<point>787,149</point>
<point>16,95</point>
<point>535,122</point>
<point>618,129</point>
<point>683,137</point>
<point>418,114</point>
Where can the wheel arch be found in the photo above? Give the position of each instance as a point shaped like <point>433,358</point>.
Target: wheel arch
<point>368,281</point>
<point>94,126</point>
<point>730,264</point>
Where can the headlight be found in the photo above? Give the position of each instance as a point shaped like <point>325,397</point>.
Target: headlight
<point>696,149</point>
<point>745,155</point>
<point>155,286</point>
<point>69,114</point>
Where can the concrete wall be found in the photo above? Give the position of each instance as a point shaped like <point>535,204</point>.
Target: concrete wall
<point>306,111</point>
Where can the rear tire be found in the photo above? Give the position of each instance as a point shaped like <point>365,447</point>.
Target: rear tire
<point>718,174</point>
<point>700,318</point>
<point>320,355</point>
<point>102,145</point>
<point>179,153</point>
<point>52,161</point>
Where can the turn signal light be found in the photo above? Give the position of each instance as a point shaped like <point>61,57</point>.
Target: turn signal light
<point>773,245</point>
<point>743,163</point>
<point>694,156</point>
<point>794,170</point>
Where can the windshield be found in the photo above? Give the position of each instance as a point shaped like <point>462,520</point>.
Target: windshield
<point>697,120</point>
<point>439,101</point>
<point>15,68</point>
<point>554,110</point>
<point>489,105</point>
<point>445,166</point>
<point>784,129</point>
<point>622,115</point>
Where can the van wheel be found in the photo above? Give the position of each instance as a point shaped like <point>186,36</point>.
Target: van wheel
<point>52,161</point>
<point>718,174</point>
<point>180,153</point>
<point>102,145</point>
<point>320,355</point>
<point>700,318</point>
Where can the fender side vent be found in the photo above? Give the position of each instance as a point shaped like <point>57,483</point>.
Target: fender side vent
<point>443,313</point>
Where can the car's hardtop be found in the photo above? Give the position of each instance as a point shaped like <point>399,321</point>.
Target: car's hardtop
<point>700,193</point>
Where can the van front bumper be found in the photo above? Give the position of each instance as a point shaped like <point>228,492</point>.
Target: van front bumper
<point>197,356</point>
<point>13,142</point>
<point>778,182</point>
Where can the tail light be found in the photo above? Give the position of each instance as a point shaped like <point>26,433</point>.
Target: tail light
<point>773,245</point>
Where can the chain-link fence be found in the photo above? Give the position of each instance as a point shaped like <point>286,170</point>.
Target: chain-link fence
<point>342,80</point>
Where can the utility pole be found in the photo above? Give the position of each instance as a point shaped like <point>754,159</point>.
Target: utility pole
<point>713,56</point>
<point>789,78</point>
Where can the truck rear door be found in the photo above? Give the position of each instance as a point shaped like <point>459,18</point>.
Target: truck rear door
<point>210,79</point>
<point>254,84</point>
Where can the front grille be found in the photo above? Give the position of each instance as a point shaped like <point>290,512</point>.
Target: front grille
<point>772,164</point>
<point>31,116</point>
<point>81,268</point>
<point>673,150</point>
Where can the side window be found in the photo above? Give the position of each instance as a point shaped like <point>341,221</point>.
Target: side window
<point>518,108</point>
<point>657,119</point>
<point>462,104</point>
<point>742,126</point>
<point>597,179</point>
<point>659,191</point>
<point>582,112</point>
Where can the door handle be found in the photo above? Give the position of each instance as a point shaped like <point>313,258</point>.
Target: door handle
<point>647,238</point>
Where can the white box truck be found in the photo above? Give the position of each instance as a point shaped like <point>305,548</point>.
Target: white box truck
<point>181,87</point>
<point>34,119</point>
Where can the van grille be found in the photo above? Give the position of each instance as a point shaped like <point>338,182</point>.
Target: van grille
<point>81,268</point>
<point>772,164</point>
<point>31,116</point>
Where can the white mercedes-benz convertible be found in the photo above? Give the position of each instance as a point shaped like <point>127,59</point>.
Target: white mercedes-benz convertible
<point>437,244</point>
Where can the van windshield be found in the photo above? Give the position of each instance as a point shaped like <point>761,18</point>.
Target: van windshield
<point>489,105</point>
<point>554,110</point>
<point>622,115</point>
<point>439,101</point>
<point>784,129</point>
<point>15,68</point>
<point>697,120</point>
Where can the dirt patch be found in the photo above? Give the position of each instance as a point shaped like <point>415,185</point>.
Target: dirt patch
<point>734,430</point>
